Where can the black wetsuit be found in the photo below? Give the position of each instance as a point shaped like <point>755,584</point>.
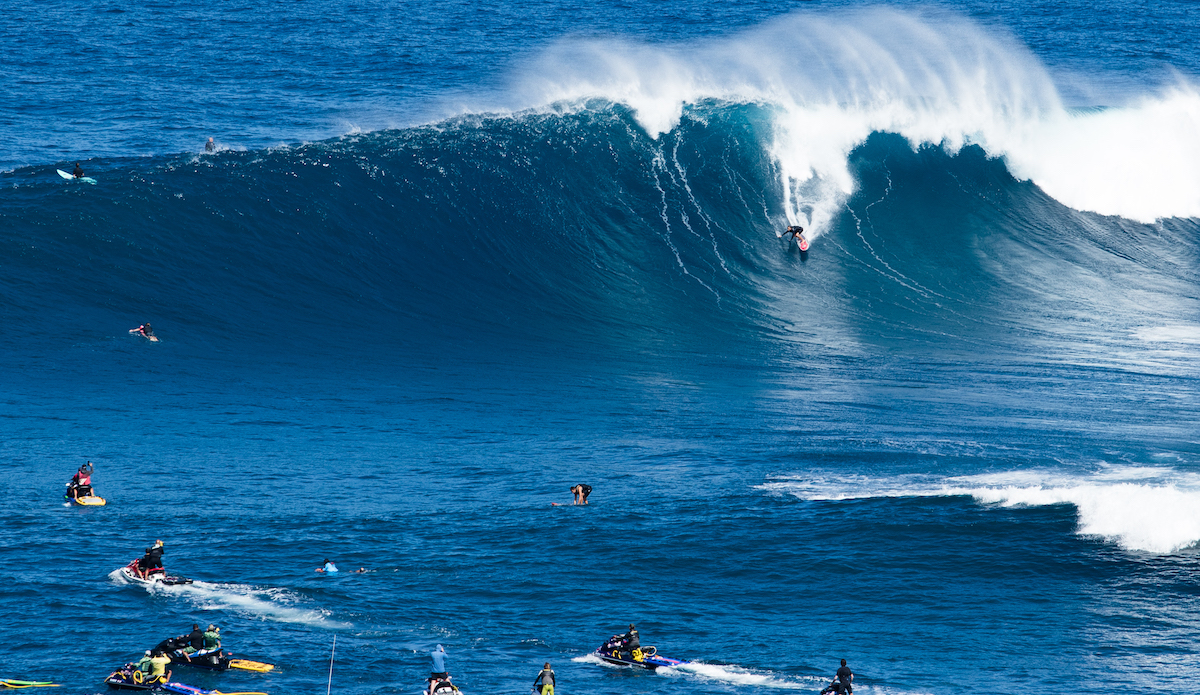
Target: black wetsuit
<point>584,490</point>
<point>153,559</point>
<point>845,676</point>
<point>78,173</point>
<point>632,641</point>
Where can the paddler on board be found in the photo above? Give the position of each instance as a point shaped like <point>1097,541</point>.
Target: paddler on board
<point>78,173</point>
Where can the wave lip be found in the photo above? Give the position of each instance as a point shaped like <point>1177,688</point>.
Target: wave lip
<point>1154,510</point>
<point>834,78</point>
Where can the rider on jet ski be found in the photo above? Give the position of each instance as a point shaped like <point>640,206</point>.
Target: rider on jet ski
<point>152,560</point>
<point>81,482</point>
<point>632,642</point>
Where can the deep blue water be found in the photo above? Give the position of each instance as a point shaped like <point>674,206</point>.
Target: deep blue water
<point>451,259</point>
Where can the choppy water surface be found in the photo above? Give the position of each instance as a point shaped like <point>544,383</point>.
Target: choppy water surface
<point>449,260</point>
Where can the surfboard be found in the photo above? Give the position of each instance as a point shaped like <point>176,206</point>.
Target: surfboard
<point>151,338</point>
<point>802,243</point>
<point>89,501</point>
<point>247,665</point>
<point>69,177</point>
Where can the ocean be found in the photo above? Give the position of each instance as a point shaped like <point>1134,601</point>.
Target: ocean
<point>448,260</point>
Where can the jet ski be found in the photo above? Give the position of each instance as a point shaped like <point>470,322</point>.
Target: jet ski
<point>128,678</point>
<point>158,575</point>
<point>212,659</point>
<point>613,652</point>
<point>443,686</point>
<point>84,496</point>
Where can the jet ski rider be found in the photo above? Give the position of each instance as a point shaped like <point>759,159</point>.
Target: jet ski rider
<point>81,482</point>
<point>546,679</point>
<point>439,672</point>
<point>152,560</point>
<point>632,643</point>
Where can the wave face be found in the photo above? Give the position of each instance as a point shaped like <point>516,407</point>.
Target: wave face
<point>582,226</point>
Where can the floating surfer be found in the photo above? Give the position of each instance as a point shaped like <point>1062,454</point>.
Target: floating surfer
<point>145,331</point>
<point>210,146</point>
<point>797,233</point>
<point>328,567</point>
<point>78,173</point>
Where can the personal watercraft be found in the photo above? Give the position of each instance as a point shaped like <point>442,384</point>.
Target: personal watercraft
<point>83,495</point>
<point>212,659</point>
<point>443,686</point>
<point>613,651</point>
<point>129,678</point>
<point>156,575</point>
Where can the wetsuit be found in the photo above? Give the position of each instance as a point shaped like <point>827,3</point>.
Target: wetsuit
<point>546,678</point>
<point>585,490</point>
<point>78,173</point>
<point>153,559</point>
<point>845,676</point>
<point>632,642</point>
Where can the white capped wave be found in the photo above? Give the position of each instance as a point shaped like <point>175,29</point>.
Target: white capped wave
<point>1177,333</point>
<point>267,603</point>
<point>834,78</point>
<point>1147,509</point>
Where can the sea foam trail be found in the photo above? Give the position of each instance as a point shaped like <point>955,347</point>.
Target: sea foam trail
<point>265,603</point>
<point>1154,510</point>
<point>716,672</point>
<point>835,78</point>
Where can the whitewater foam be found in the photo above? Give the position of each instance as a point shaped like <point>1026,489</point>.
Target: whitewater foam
<point>832,79</point>
<point>266,603</point>
<point>1148,509</point>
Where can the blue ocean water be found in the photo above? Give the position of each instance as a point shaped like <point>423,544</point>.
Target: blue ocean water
<point>450,259</point>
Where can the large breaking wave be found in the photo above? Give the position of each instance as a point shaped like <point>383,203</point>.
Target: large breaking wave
<point>638,206</point>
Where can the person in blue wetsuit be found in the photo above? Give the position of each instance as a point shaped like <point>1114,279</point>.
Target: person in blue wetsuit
<point>329,567</point>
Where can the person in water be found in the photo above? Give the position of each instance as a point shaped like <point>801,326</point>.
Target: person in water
<point>152,560</point>
<point>796,231</point>
<point>581,493</point>
<point>329,567</point>
<point>546,679</point>
<point>437,658</point>
<point>210,146</point>
<point>842,681</point>
<point>78,173</point>
<point>145,330</point>
<point>81,482</point>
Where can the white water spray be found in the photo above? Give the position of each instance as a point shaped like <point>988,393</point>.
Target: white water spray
<point>833,79</point>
